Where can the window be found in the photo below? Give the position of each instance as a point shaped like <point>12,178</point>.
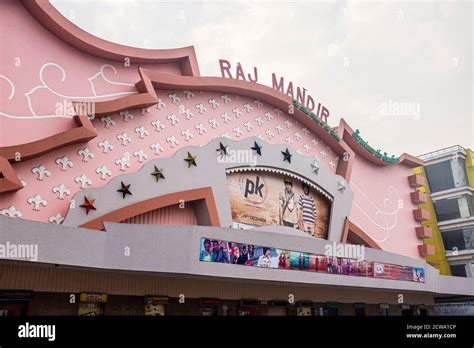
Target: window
<point>440,176</point>
<point>446,175</point>
<point>460,239</point>
<point>453,208</point>
<point>458,270</point>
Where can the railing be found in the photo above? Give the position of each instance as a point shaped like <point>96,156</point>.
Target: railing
<point>440,153</point>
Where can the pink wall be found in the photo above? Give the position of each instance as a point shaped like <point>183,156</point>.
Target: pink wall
<point>158,138</point>
<point>50,74</point>
<point>382,206</point>
<point>39,73</point>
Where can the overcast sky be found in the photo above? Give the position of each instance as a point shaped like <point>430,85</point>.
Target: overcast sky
<point>401,72</point>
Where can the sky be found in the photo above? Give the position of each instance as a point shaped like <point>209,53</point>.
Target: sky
<point>400,72</point>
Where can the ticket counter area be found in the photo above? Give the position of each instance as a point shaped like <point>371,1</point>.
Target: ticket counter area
<point>14,303</point>
<point>156,305</point>
<point>249,307</point>
<point>209,307</point>
<point>331,309</point>
<point>422,311</point>
<point>92,304</point>
<point>406,310</point>
<point>359,309</point>
<point>305,308</point>
<point>277,308</point>
<point>382,310</point>
<point>13,308</point>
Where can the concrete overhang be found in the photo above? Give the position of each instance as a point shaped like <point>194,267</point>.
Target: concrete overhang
<point>175,250</point>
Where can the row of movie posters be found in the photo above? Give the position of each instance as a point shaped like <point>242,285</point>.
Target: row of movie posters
<point>258,256</point>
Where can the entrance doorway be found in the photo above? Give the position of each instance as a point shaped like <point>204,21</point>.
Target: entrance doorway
<point>13,308</point>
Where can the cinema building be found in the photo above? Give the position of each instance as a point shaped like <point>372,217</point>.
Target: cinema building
<point>131,185</point>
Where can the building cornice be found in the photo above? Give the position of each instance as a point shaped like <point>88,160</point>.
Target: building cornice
<point>50,18</point>
<point>455,192</point>
<point>456,223</point>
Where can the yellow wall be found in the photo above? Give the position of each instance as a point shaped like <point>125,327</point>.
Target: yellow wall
<point>470,166</point>
<point>438,259</point>
<point>470,169</point>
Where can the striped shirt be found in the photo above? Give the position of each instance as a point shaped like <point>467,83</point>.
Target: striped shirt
<point>308,209</point>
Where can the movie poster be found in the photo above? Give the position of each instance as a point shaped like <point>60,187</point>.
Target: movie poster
<point>214,251</point>
<point>349,267</point>
<point>299,260</point>
<point>363,268</point>
<point>218,251</point>
<point>313,262</point>
<point>334,265</point>
<point>394,272</point>
<point>406,273</point>
<point>265,199</point>
<point>418,274</point>
<point>321,263</point>
<point>284,259</point>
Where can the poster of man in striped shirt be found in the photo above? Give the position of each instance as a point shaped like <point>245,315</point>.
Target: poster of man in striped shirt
<point>307,212</point>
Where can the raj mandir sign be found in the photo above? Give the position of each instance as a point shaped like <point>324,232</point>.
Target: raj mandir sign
<point>278,84</point>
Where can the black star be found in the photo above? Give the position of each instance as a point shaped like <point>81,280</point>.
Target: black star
<point>257,148</point>
<point>88,205</point>
<point>191,160</point>
<point>286,155</point>
<point>222,149</point>
<point>125,189</point>
<point>158,174</point>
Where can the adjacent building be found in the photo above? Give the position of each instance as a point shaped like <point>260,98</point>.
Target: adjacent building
<point>449,189</point>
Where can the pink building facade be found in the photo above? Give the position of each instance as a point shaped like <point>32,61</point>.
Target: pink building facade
<point>82,118</point>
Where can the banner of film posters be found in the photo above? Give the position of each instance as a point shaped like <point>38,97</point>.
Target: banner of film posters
<point>259,256</point>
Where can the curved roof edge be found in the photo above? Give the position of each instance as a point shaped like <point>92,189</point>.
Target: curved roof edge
<point>345,132</point>
<point>50,18</point>
<point>45,13</point>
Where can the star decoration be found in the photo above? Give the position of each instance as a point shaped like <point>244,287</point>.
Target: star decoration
<point>257,148</point>
<point>286,155</point>
<point>125,189</point>
<point>222,150</point>
<point>191,160</point>
<point>88,205</point>
<point>158,174</point>
<point>315,167</point>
